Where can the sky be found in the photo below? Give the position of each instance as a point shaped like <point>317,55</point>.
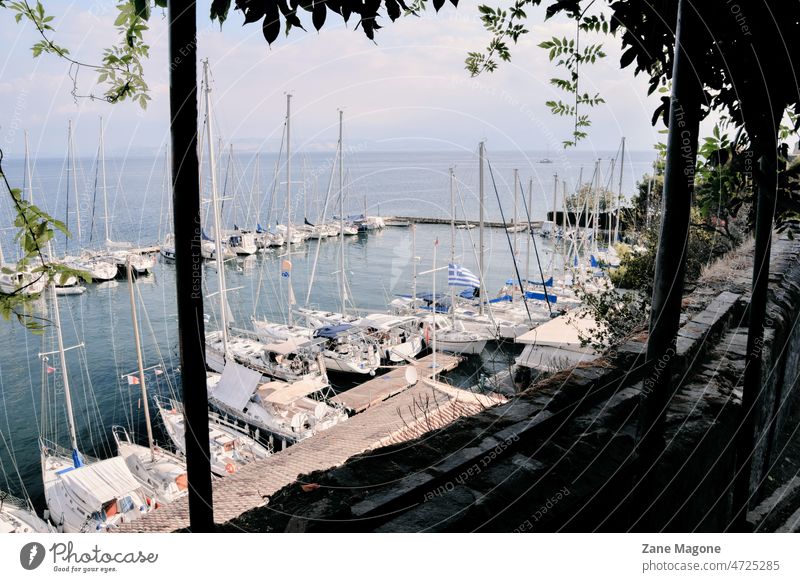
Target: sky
<point>406,91</point>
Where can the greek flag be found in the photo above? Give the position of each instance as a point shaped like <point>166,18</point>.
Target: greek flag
<point>458,276</point>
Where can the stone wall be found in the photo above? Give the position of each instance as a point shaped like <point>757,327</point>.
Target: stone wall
<point>560,456</point>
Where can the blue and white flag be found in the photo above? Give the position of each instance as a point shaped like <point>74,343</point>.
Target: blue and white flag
<point>458,276</point>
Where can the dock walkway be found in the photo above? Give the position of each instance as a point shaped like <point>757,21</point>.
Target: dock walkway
<point>378,389</point>
<point>417,410</point>
<point>535,224</point>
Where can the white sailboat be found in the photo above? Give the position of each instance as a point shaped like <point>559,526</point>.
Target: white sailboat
<point>107,262</point>
<point>230,446</point>
<point>84,494</point>
<point>343,347</point>
<point>451,334</point>
<point>12,279</point>
<point>19,516</point>
<point>289,411</point>
<point>160,472</point>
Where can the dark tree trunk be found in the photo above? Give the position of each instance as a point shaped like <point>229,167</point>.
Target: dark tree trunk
<point>766,182</point>
<point>670,267</point>
<point>188,261</point>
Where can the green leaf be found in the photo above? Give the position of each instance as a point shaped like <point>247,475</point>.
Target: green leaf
<point>142,8</point>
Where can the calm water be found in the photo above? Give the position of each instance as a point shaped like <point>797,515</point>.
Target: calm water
<point>378,267</point>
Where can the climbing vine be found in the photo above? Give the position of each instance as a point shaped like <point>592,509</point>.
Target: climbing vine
<point>36,229</point>
<point>120,70</point>
<point>507,26</point>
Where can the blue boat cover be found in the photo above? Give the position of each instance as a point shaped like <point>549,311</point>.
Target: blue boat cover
<point>332,331</point>
<point>541,297</point>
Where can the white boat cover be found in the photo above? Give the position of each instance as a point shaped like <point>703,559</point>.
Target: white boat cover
<point>560,331</point>
<point>284,348</point>
<point>382,321</point>
<point>101,482</point>
<point>236,385</point>
<point>554,359</point>
<point>290,392</point>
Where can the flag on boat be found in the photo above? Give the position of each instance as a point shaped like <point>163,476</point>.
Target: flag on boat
<point>132,380</point>
<point>50,369</point>
<point>286,268</point>
<point>158,371</point>
<point>458,276</point>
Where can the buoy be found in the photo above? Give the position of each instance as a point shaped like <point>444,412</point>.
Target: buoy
<point>230,468</point>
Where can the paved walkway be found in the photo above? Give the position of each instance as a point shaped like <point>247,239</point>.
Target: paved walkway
<point>424,407</point>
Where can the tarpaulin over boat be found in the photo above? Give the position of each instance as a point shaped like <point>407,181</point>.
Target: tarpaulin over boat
<point>331,331</point>
<point>288,393</point>
<point>236,385</point>
<point>101,481</point>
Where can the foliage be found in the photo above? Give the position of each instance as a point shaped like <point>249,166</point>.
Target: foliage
<point>619,315</point>
<point>36,229</point>
<point>585,196</point>
<point>275,15</point>
<point>507,26</point>
<point>120,70</point>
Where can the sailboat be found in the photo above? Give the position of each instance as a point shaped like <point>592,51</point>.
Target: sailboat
<point>160,472</point>
<point>108,261</point>
<point>450,332</point>
<point>19,516</point>
<point>343,347</point>
<point>14,280</point>
<point>230,446</point>
<point>289,411</point>
<point>222,346</point>
<point>99,267</point>
<point>84,494</point>
<point>291,236</point>
<point>283,404</point>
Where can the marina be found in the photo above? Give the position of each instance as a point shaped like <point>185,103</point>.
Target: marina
<point>419,409</point>
<point>370,342</point>
<point>300,374</point>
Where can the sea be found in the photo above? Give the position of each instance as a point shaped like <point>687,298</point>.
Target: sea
<point>97,326</point>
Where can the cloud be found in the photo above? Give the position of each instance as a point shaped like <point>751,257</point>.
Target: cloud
<point>410,90</point>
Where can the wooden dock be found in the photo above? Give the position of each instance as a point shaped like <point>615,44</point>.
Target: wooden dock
<point>535,224</point>
<point>421,408</point>
<point>378,389</point>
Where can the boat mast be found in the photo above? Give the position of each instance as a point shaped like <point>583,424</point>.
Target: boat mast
<point>413,264</point>
<point>74,179</point>
<point>481,155</point>
<point>103,174</point>
<point>28,178</point>
<point>567,233</point>
<point>596,211</point>
<point>555,220</point>
<point>530,233</point>
<point>619,193</point>
<point>220,259</point>
<point>433,331</point>
<point>288,173</point>
<point>343,291</point>
<point>516,203</point>
<point>452,243</point>
<point>73,437</point>
<point>290,295</point>
<point>608,203</point>
<point>138,343</point>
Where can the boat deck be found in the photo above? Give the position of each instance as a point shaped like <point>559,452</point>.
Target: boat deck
<point>421,408</point>
<point>378,389</point>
